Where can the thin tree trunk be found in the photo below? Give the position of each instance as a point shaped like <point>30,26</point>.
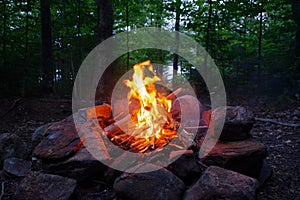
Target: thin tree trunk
<point>25,66</point>
<point>260,40</point>
<point>177,23</point>
<point>105,28</point>
<point>47,85</point>
<point>159,25</point>
<point>127,34</point>
<point>207,43</point>
<point>4,33</point>
<point>79,29</point>
<point>296,14</point>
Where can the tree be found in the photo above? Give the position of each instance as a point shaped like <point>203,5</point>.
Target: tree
<point>105,19</point>
<point>177,23</point>
<point>296,12</point>
<point>105,28</point>
<point>48,77</point>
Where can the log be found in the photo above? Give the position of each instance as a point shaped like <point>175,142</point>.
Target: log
<point>118,126</point>
<point>174,94</point>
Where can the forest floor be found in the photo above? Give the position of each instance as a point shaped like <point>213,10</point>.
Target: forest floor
<point>283,143</point>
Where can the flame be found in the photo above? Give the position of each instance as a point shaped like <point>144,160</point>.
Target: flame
<point>152,109</point>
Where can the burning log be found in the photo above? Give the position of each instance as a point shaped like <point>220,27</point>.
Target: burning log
<point>174,94</point>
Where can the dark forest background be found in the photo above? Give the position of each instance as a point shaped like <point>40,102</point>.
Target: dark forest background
<point>43,43</point>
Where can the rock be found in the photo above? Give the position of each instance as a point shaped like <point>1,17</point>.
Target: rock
<point>81,166</point>
<point>238,124</point>
<point>155,185</point>
<point>245,157</point>
<point>94,191</point>
<point>16,167</point>
<point>187,110</point>
<point>39,134</point>
<point>61,141</point>
<point>265,173</point>
<point>11,146</point>
<point>219,183</point>
<point>88,161</point>
<point>45,186</point>
<point>186,167</point>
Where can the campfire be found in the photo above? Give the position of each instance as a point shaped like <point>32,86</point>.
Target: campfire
<point>149,124</point>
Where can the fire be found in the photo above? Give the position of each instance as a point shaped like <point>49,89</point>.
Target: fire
<point>151,110</point>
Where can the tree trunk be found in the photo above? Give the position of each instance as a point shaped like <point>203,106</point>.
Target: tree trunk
<point>47,85</point>
<point>105,28</point>
<point>105,19</point>
<point>177,23</point>
<point>127,35</point>
<point>4,33</point>
<point>79,29</point>
<point>296,13</point>
<point>207,42</point>
<point>25,66</point>
<point>260,40</point>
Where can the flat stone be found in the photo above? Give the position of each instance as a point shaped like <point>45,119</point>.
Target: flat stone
<point>61,141</point>
<point>45,186</point>
<point>238,124</point>
<point>39,134</point>
<point>245,157</point>
<point>16,167</point>
<point>155,185</point>
<point>186,167</point>
<point>11,145</point>
<point>219,183</point>
<point>81,166</point>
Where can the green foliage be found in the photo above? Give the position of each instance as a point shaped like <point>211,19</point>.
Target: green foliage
<point>232,39</point>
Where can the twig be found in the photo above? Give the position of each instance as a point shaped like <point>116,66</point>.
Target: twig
<point>11,108</point>
<point>195,127</point>
<point>2,190</point>
<point>277,122</point>
<point>202,164</point>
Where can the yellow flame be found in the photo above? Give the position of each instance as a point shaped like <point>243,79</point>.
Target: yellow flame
<point>154,107</point>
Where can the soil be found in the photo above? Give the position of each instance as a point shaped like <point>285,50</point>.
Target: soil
<point>283,142</point>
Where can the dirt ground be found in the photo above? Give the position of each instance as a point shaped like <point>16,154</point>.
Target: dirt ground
<point>283,142</point>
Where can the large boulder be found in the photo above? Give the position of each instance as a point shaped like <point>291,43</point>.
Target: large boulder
<point>61,141</point>
<point>81,166</point>
<point>155,185</point>
<point>245,156</point>
<point>186,167</point>
<point>238,124</point>
<point>45,186</point>
<point>219,183</point>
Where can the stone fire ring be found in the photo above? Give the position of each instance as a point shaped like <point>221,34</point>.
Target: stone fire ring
<point>99,59</point>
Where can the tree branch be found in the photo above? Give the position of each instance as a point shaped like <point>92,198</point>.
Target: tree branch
<point>277,122</point>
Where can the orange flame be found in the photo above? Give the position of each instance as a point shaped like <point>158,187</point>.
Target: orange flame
<point>153,113</point>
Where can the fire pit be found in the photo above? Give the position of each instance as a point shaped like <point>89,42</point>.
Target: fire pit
<point>154,123</point>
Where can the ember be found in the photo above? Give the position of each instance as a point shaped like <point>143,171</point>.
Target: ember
<point>150,112</point>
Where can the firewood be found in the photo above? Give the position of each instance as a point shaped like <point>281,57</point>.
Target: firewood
<point>173,94</point>
<point>138,142</point>
<point>119,126</point>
